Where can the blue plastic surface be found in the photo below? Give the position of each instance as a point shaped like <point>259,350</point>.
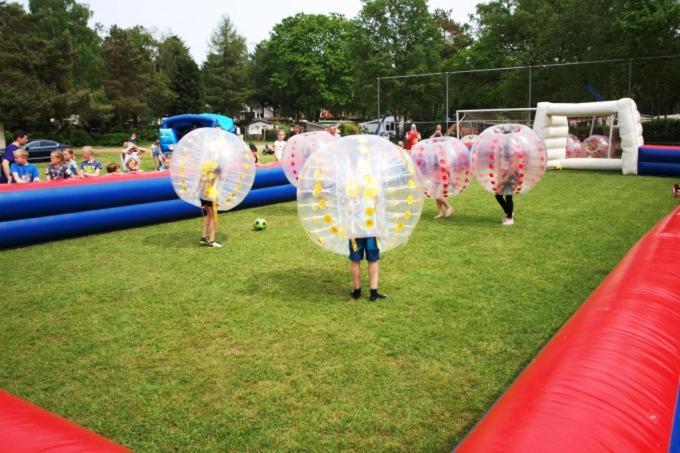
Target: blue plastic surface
<point>650,154</point>
<point>15,233</point>
<point>659,168</point>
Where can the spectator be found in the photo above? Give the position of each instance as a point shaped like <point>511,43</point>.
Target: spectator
<point>412,137</point>
<point>90,167</point>
<point>279,144</point>
<point>167,160</point>
<point>267,150</point>
<point>297,129</point>
<point>437,131</point>
<point>133,138</point>
<point>253,149</point>
<point>157,155</point>
<point>22,171</point>
<point>113,169</point>
<point>57,169</point>
<point>71,162</point>
<point>132,165</point>
<point>20,140</point>
<point>334,131</point>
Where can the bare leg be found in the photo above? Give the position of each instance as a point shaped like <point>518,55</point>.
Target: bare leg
<point>355,272</point>
<point>373,271</point>
<point>206,221</point>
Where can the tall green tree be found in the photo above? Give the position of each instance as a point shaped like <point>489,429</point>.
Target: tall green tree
<point>226,77</point>
<point>399,37</point>
<point>185,82</point>
<point>128,56</point>
<point>306,65</point>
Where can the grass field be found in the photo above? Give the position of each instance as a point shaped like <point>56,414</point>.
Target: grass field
<point>161,345</point>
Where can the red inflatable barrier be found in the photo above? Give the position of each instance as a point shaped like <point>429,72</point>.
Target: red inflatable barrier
<point>608,380</point>
<point>85,181</point>
<point>26,428</point>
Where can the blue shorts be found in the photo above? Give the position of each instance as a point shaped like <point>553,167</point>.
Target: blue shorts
<point>367,247</point>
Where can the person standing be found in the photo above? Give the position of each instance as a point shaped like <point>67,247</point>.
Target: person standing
<point>20,140</point>
<point>412,137</point>
<point>437,131</point>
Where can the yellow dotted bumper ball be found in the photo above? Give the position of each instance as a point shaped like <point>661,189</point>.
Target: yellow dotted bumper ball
<point>359,186</point>
<point>211,164</point>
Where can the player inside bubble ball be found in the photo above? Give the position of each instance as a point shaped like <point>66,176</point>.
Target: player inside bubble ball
<point>506,184</point>
<point>208,193</point>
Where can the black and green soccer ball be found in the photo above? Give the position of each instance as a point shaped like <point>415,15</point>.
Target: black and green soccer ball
<point>259,224</point>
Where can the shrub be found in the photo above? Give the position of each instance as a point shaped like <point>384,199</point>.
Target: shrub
<point>348,129</point>
<point>662,131</point>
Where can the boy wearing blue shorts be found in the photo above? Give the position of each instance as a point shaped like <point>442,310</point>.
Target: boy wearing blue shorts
<point>359,249</point>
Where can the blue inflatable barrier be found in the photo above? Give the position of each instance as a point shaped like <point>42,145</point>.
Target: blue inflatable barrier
<point>47,214</point>
<point>40,202</point>
<point>659,160</point>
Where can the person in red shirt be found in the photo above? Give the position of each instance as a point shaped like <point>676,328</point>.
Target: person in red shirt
<point>412,137</point>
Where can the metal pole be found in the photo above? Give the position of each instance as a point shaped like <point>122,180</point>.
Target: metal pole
<point>457,125</point>
<point>630,77</point>
<point>378,97</point>
<point>530,87</point>
<point>447,103</point>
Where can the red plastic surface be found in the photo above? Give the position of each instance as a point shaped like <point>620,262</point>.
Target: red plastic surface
<point>608,380</point>
<point>25,427</point>
<point>670,148</point>
<point>85,181</point>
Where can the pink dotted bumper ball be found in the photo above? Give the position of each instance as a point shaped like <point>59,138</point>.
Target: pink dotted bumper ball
<point>298,149</point>
<point>596,146</point>
<point>574,147</point>
<point>445,165</point>
<point>469,140</point>
<point>509,159</point>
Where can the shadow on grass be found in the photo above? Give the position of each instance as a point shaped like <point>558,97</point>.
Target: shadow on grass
<point>306,284</point>
<point>172,239</point>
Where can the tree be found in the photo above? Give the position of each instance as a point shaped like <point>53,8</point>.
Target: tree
<point>225,75</point>
<point>127,54</point>
<point>185,82</point>
<point>399,37</point>
<point>306,65</point>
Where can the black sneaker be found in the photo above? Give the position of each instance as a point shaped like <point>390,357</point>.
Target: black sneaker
<point>215,244</point>
<point>204,241</point>
<point>375,295</point>
<point>356,294</point>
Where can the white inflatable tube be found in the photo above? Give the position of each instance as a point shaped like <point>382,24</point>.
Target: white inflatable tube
<point>551,120</point>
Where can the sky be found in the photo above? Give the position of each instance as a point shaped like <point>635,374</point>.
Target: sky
<point>195,20</point>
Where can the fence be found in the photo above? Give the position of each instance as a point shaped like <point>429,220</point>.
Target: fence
<point>651,81</point>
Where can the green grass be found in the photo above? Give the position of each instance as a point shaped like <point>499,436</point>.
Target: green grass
<point>161,345</point>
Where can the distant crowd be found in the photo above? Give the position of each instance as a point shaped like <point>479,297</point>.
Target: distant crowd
<point>17,170</point>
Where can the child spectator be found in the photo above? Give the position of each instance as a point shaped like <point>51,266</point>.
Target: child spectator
<point>89,167</point>
<point>157,155</point>
<point>253,149</point>
<point>279,144</point>
<point>131,151</point>
<point>333,130</point>
<point>437,131</point>
<point>132,165</point>
<point>23,172</point>
<point>71,162</point>
<point>113,169</point>
<point>167,159</point>
<point>20,140</point>
<point>57,169</point>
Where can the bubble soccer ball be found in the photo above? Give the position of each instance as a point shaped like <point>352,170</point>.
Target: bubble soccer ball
<point>574,147</point>
<point>469,140</point>
<point>509,159</point>
<point>212,164</point>
<point>596,146</point>
<point>259,224</point>
<point>359,186</point>
<point>444,163</point>
<point>298,149</point>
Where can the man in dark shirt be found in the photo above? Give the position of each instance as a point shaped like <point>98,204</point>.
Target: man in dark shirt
<point>20,140</point>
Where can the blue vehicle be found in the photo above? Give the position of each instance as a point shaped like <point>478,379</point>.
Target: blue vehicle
<point>174,128</point>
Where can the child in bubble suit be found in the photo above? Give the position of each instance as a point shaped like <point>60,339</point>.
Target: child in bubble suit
<point>208,193</point>
<point>507,182</point>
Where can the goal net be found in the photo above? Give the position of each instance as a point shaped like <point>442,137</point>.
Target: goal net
<point>473,122</point>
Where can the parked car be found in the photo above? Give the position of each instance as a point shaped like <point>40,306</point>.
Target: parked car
<point>39,150</point>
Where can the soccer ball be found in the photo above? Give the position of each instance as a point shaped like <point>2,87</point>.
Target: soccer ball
<point>259,224</point>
